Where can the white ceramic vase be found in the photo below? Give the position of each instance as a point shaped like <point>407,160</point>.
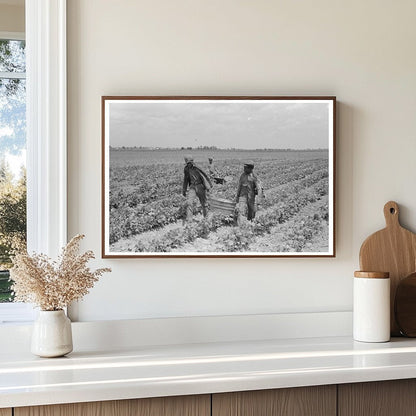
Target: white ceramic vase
<point>52,334</point>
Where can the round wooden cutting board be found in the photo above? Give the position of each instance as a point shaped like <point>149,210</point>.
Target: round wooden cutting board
<point>405,305</point>
<point>393,250</point>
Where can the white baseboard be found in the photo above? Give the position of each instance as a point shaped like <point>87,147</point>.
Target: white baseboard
<point>113,335</point>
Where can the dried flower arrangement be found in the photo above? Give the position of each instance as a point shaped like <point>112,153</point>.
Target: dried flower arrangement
<point>53,285</point>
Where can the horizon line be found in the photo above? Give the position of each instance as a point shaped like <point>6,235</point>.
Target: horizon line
<point>213,148</point>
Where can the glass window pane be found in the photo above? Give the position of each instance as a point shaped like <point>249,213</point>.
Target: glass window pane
<point>12,117</point>
<point>12,56</point>
<point>12,175</point>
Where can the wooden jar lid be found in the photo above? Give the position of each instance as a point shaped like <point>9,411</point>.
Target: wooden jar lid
<point>372,275</point>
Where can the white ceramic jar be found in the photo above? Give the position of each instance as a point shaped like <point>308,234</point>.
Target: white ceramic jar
<point>371,310</point>
<point>52,334</point>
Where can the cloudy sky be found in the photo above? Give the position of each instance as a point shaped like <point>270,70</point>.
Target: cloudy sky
<point>224,124</point>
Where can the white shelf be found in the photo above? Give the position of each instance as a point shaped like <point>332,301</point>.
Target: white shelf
<point>151,371</point>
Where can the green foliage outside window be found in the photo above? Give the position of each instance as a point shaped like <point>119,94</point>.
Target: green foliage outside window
<point>12,145</point>
<point>12,224</point>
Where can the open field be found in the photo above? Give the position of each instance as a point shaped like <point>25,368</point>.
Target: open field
<point>146,203</point>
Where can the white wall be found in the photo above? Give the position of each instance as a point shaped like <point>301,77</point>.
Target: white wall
<point>361,51</point>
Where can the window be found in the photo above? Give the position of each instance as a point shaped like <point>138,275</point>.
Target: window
<point>46,133</point>
<point>12,166</point>
<point>12,155</point>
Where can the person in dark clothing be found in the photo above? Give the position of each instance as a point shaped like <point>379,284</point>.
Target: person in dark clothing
<point>214,173</point>
<point>199,183</point>
<point>246,193</point>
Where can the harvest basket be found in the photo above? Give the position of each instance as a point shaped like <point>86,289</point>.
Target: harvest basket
<point>221,205</point>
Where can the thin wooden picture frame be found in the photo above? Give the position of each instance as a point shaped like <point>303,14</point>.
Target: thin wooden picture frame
<point>288,206</point>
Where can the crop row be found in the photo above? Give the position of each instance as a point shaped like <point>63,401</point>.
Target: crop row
<point>132,186</point>
<point>302,232</point>
<point>233,238</point>
<point>297,234</point>
<point>127,221</point>
<point>275,195</point>
<point>129,215</point>
<point>179,236</point>
<point>135,185</point>
<point>275,175</point>
<point>239,238</point>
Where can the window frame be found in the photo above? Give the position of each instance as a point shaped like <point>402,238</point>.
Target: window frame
<point>46,125</point>
<point>14,312</point>
<point>46,138</point>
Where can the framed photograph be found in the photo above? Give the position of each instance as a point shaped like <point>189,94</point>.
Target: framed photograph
<point>218,176</point>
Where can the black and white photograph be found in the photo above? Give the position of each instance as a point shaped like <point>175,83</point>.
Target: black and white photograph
<point>218,176</point>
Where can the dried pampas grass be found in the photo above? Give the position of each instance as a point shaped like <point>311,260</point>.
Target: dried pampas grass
<point>53,285</point>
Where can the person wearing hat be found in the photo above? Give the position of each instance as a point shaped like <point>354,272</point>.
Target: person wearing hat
<point>199,183</point>
<point>211,167</point>
<point>246,192</point>
<point>214,173</point>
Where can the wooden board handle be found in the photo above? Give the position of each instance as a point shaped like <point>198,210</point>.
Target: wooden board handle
<point>391,214</point>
